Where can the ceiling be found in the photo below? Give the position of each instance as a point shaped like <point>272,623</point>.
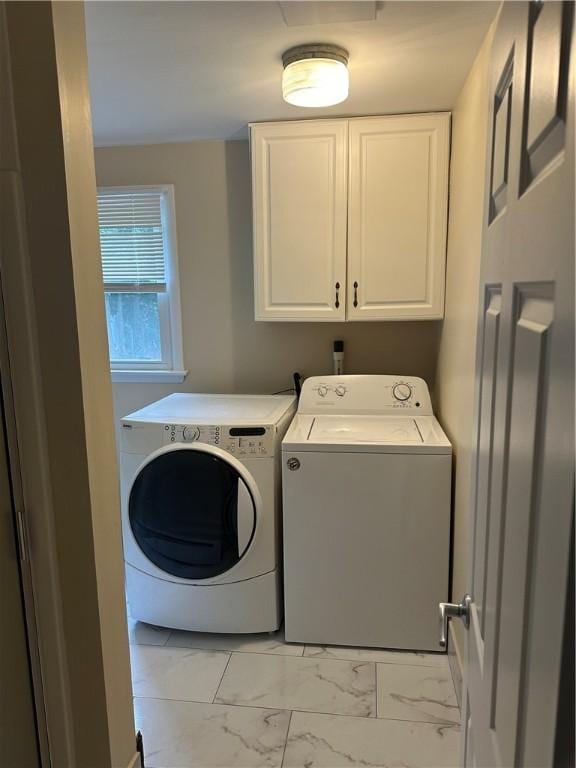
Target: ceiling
<point>176,71</point>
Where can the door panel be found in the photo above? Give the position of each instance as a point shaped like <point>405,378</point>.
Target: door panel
<point>397,216</point>
<point>491,337</point>
<point>546,97</point>
<point>501,139</point>
<point>529,380</point>
<point>524,473</point>
<point>299,185</point>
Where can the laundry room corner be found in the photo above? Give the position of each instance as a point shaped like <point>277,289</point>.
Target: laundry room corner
<point>455,374</point>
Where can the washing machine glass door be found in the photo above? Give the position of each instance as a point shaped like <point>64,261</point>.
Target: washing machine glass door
<point>193,510</point>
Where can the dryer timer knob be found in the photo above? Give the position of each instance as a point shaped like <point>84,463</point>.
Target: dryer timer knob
<point>190,434</point>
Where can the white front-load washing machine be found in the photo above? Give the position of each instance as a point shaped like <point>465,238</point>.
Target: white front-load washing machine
<point>366,488</point>
<point>200,484</point>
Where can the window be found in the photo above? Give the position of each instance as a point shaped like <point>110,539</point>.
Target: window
<point>140,270</point>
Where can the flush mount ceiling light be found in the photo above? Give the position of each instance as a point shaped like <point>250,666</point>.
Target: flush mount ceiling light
<point>315,75</point>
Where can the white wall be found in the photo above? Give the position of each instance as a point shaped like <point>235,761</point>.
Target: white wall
<point>225,350</point>
<point>456,360</point>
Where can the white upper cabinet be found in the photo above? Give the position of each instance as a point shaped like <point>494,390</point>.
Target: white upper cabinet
<point>299,195</point>
<point>350,218</point>
<point>397,214</point>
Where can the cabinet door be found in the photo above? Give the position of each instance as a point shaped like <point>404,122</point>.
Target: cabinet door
<point>299,178</point>
<point>397,217</point>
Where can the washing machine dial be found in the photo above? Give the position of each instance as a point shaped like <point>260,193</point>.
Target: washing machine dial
<point>322,390</point>
<point>189,434</point>
<point>402,392</point>
<point>340,390</point>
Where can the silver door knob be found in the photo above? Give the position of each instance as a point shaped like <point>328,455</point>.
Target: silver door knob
<point>450,611</point>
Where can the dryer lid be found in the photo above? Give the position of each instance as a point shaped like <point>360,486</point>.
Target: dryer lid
<point>188,408</point>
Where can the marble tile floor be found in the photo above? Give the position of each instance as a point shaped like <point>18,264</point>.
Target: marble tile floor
<point>222,701</point>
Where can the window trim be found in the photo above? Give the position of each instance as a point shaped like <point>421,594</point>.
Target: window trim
<point>171,367</point>
<point>149,376</point>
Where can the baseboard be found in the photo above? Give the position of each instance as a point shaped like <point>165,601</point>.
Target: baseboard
<point>455,663</point>
<point>135,761</point>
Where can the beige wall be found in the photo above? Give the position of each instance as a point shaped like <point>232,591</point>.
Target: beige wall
<point>456,360</point>
<point>225,350</point>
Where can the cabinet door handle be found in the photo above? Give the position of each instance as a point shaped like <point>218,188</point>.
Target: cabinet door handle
<point>355,294</point>
<point>337,302</point>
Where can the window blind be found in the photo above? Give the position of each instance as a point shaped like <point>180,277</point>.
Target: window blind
<point>132,239</point>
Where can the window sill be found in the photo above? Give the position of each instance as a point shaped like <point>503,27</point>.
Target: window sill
<point>149,377</point>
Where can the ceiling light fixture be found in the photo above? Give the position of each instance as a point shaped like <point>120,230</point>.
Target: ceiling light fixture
<point>315,75</point>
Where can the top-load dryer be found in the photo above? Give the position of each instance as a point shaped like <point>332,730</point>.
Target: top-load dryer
<point>366,483</point>
<point>200,482</point>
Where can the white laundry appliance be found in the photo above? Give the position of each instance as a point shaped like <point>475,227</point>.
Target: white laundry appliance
<point>200,481</point>
<point>366,485</point>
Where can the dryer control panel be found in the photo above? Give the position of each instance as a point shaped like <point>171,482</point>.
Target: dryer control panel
<point>245,441</point>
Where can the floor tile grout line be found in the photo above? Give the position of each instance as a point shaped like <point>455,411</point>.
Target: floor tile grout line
<point>311,659</point>
<point>377,649</point>
<point>237,650</point>
<point>291,656</point>
<point>221,678</point>
<point>442,658</point>
<point>293,709</point>
<point>375,661</point>
<point>371,718</point>
<point>287,737</point>
<point>176,701</point>
<point>177,648</point>
<point>296,646</point>
<point>230,650</point>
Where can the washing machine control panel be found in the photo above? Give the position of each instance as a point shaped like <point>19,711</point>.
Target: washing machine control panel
<point>367,394</point>
<point>243,442</point>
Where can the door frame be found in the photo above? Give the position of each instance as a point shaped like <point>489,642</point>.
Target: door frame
<point>30,470</point>
<point>23,556</point>
<point>45,183</point>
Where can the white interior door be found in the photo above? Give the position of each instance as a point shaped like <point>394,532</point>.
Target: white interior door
<point>299,194</point>
<point>523,501</point>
